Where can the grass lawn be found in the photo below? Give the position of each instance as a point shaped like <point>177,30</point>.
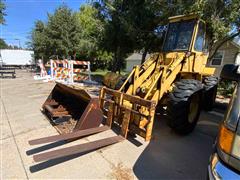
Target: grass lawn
<point>104,72</point>
<point>100,72</point>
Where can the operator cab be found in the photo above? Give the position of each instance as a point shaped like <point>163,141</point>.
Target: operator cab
<point>185,33</point>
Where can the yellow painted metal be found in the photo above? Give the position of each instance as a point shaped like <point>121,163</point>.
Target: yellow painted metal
<point>155,77</point>
<point>182,18</point>
<point>207,71</point>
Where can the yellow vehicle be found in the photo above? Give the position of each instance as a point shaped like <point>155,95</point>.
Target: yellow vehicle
<point>175,78</point>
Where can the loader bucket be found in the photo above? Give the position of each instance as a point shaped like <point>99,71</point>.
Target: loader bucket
<point>117,113</point>
<point>69,109</point>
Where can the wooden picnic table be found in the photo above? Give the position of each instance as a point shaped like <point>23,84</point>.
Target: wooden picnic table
<point>5,70</point>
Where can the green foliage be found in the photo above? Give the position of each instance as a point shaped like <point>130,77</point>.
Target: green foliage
<point>118,36</point>
<point>91,35</point>
<point>222,18</point>
<point>3,44</point>
<point>62,32</point>
<point>226,88</point>
<point>106,32</point>
<point>133,25</point>
<point>102,61</point>
<point>220,15</point>
<point>59,37</point>
<point>39,41</point>
<point>2,12</point>
<point>67,34</point>
<point>91,29</point>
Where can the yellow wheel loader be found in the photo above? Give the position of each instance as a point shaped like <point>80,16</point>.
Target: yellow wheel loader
<point>175,78</point>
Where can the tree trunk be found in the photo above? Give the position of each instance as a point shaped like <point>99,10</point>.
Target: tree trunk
<point>116,60</point>
<point>144,55</point>
<point>119,61</point>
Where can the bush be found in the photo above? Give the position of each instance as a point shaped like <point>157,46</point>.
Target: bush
<point>226,88</point>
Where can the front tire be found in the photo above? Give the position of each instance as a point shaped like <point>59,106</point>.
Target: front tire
<point>184,105</point>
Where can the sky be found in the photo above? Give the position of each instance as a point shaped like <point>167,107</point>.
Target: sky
<point>21,15</point>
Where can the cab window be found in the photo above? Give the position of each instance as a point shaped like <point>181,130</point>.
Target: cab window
<point>179,36</point>
<point>199,44</point>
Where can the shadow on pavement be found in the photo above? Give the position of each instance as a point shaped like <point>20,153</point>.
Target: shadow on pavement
<point>53,162</point>
<point>45,147</point>
<point>167,156</point>
<point>172,156</point>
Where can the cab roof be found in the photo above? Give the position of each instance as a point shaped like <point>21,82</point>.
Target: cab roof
<point>183,17</point>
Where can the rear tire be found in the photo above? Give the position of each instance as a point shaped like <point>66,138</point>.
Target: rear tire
<point>210,92</point>
<point>184,105</point>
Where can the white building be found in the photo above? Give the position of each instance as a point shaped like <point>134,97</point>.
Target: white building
<point>228,53</point>
<point>133,60</point>
<point>16,57</point>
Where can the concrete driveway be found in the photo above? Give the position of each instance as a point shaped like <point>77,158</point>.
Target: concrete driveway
<point>167,156</point>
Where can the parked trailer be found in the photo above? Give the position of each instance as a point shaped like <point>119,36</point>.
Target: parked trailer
<point>17,57</point>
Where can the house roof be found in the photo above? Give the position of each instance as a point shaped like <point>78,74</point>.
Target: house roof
<point>135,56</point>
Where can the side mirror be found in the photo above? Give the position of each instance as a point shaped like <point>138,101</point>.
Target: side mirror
<point>231,72</point>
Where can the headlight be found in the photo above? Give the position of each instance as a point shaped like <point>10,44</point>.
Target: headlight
<point>236,147</point>
<point>229,142</point>
<point>225,140</point>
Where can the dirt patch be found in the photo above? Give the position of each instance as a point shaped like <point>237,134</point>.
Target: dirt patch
<point>120,172</point>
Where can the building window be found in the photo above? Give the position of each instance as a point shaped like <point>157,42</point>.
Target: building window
<point>218,58</point>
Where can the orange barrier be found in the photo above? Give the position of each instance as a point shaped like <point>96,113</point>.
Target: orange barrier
<point>70,70</point>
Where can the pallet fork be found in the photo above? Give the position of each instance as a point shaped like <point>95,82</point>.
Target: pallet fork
<point>117,109</point>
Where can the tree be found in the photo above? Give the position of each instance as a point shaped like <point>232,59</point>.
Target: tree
<point>59,37</point>
<point>91,27</point>
<point>221,17</point>
<point>223,21</point>
<point>62,33</point>
<point>113,29</point>
<point>118,38</point>
<point>2,12</point>
<point>39,41</point>
<point>3,44</point>
<point>91,30</point>
<point>136,25</point>
<point>147,22</point>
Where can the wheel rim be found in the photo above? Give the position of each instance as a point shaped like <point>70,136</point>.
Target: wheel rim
<point>193,108</point>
